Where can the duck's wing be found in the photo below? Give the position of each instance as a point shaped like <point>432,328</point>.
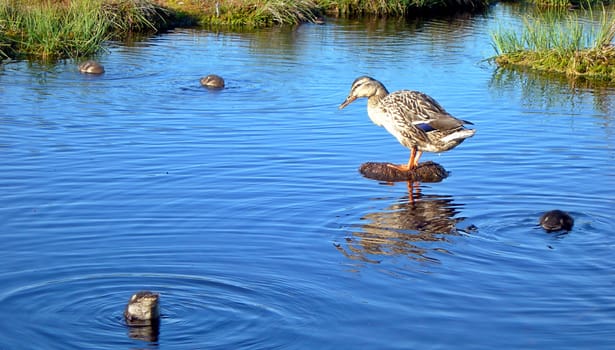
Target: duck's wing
<point>411,106</point>
<point>421,111</point>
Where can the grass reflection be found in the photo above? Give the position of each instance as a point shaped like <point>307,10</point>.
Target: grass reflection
<point>553,90</point>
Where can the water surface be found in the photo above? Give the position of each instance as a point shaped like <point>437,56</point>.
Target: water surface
<point>244,208</point>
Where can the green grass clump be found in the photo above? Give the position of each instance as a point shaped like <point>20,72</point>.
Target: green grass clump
<point>288,12</point>
<point>566,4</point>
<point>552,3</point>
<point>397,7</point>
<point>560,43</point>
<point>260,13</point>
<point>6,47</point>
<point>45,29</point>
<point>127,16</point>
<point>366,7</point>
<point>244,13</point>
<point>51,31</point>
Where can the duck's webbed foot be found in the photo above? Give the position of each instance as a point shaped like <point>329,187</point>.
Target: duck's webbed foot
<point>400,167</point>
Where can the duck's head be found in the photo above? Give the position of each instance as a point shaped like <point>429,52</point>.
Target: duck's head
<point>91,67</point>
<point>364,87</point>
<point>143,308</point>
<point>556,220</point>
<point>212,81</point>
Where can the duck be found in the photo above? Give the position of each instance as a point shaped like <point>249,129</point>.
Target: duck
<point>556,220</point>
<point>91,67</point>
<point>212,81</point>
<point>416,119</point>
<point>143,309</point>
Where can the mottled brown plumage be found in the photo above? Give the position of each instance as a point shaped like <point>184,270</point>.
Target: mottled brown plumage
<point>91,67</point>
<point>212,81</point>
<point>142,309</point>
<point>415,119</point>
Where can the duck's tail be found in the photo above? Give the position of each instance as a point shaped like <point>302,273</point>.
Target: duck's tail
<point>459,135</point>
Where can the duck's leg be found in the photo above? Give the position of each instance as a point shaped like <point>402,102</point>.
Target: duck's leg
<point>415,162</point>
<point>413,159</point>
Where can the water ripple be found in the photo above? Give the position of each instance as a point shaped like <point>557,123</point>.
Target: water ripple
<point>220,309</point>
<point>245,210</point>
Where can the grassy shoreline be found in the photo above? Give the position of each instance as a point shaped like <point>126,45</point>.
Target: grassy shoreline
<point>55,29</point>
<point>560,42</point>
<point>259,13</point>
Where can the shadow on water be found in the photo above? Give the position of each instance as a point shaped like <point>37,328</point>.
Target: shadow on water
<point>415,226</point>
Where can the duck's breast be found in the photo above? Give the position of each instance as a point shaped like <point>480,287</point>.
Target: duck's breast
<point>376,114</point>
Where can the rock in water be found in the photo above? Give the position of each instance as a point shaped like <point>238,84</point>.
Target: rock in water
<point>425,172</point>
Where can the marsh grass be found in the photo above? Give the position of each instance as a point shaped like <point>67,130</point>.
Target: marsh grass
<point>567,4</point>
<point>126,16</point>
<point>560,42</point>
<point>266,12</point>
<point>552,3</point>
<point>55,29</point>
<point>245,13</point>
<point>52,31</point>
<point>288,12</point>
<point>260,13</point>
<point>398,7</point>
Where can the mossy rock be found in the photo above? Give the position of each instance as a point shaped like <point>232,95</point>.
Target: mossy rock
<point>425,172</point>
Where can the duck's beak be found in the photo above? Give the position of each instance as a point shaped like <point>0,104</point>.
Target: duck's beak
<point>348,100</point>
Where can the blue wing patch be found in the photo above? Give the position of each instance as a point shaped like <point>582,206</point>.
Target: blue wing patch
<point>425,127</point>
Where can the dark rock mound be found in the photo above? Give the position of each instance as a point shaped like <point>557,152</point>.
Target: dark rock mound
<point>425,172</point>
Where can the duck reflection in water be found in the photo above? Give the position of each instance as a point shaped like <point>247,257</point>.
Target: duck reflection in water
<point>142,316</point>
<point>411,227</point>
<point>147,333</point>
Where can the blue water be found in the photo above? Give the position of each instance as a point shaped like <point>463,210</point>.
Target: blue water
<point>244,208</point>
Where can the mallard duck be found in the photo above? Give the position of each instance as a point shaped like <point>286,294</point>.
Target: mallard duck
<point>212,81</point>
<point>414,118</point>
<point>91,67</point>
<point>142,309</point>
<point>556,220</point>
